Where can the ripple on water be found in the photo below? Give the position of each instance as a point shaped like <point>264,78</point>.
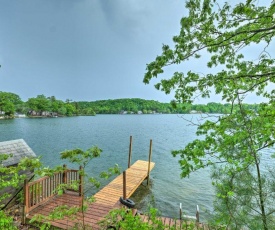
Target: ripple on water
<point>48,137</point>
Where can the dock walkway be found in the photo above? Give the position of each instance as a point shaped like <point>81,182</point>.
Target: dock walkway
<point>106,199</point>
<point>135,175</point>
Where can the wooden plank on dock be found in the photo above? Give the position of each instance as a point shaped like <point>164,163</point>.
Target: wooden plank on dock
<point>106,199</point>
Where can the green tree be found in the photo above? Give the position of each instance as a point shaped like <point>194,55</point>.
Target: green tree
<point>234,43</point>
<point>70,109</point>
<point>39,104</point>
<point>9,108</point>
<point>54,104</point>
<point>8,103</point>
<point>14,98</point>
<point>62,111</point>
<point>11,177</point>
<point>88,111</point>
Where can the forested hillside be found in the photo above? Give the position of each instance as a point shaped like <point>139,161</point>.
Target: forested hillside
<point>10,104</point>
<point>141,106</point>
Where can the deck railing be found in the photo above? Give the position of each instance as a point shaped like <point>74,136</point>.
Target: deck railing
<point>41,190</point>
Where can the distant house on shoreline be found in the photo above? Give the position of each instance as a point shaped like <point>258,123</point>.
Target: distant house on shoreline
<point>42,114</point>
<point>18,149</point>
<point>194,112</point>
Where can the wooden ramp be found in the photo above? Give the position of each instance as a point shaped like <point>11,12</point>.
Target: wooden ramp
<point>106,199</point>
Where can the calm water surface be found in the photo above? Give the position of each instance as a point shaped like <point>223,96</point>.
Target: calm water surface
<point>50,136</point>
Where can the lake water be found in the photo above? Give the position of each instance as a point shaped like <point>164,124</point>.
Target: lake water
<point>50,136</point>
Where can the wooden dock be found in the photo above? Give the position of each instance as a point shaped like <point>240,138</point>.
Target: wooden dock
<point>43,201</point>
<point>135,175</point>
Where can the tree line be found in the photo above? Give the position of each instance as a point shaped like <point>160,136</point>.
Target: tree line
<point>141,106</point>
<point>11,103</point>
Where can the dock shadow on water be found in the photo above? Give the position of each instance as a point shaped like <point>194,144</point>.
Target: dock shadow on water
<point>144,197</point>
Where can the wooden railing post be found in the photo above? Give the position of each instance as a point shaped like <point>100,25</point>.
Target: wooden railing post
<point>80,181</point>
<point>26,201</point>
<point>64,177</point>
<point>150,154</point>
<point>130,152</point>
<point>124,185</point>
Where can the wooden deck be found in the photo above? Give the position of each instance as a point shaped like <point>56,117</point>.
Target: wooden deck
<point>106,199</point>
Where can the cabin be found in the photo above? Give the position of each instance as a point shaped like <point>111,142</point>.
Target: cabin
<point>19,149</point>
<point>33,113</point>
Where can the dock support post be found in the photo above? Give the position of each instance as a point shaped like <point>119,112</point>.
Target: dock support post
<point>180,212</point>
<point>180,215</point>
<point>198,215</point>
<point>149,162</point>
<point>26,201</point>
<point>124,185</point>
<point>130,152</point>
<point>80,189</point>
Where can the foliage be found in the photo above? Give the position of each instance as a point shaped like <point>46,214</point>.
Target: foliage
<point>233,44</point>
<point>80,157</point>
<point>136,105</point>
<point>237,198</point>
<point>6,222</point>
<point>124,219</point>
<point>11,178</point>
<point>8,103</point>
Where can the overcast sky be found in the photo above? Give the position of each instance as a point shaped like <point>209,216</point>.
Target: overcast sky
<point>84,50</point>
